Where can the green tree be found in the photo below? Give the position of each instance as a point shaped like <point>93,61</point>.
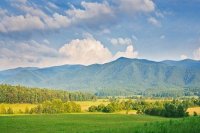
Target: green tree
<point>100,107</point>
<point>67,107</point>
<point>128,106</point>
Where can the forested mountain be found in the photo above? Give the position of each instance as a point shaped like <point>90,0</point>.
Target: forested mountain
<point>122,76</point>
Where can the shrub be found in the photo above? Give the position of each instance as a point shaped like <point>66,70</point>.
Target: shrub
<point>195,113</point>
<point>100,107</point>
<point>93,108</point>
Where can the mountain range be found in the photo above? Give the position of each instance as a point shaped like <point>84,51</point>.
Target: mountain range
<point>124,74</point>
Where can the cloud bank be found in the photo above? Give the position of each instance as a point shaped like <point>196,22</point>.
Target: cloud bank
<point>79,51</point>
<point>33,17</point>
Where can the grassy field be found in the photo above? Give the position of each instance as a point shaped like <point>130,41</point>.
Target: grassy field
<point>96,123</point>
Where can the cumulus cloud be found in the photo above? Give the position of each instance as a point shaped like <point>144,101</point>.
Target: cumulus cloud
<point>129,53</point>
<point>86,51</point>
<point>121,41</point>
<point>154,21</point>
<point>197,54</point>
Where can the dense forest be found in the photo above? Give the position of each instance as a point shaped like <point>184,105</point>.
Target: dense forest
<point>21,94</point>
<point>151,92</point>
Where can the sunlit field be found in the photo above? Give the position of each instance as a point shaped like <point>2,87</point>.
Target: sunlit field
<point>86,104</point>
<point>194,109</point>
<point>17,106</point>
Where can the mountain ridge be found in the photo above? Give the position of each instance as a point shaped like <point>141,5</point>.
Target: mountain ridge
<point>121,74</point>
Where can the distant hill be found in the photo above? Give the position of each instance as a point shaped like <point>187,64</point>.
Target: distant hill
<point>122,75</point>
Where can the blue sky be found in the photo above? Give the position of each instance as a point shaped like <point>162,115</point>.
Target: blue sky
<point>45,33</point>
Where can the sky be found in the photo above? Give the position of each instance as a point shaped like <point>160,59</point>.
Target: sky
<point>43,33</point>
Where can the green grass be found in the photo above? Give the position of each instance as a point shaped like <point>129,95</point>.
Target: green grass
<point>93,123</point>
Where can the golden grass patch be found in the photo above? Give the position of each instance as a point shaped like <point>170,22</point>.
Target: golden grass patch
<point>194,109</point>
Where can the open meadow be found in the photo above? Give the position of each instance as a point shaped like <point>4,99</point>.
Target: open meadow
<point>96,123</point>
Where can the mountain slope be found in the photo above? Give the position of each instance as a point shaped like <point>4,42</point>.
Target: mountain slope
<point>121,74</point>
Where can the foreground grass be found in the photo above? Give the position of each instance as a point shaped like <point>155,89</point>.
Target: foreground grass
<point>73,123</point>
<point>96,123</point>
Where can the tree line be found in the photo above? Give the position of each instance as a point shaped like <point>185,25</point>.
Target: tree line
<point>21,94</point>
<point>47,107</point>
<point>175,108</point>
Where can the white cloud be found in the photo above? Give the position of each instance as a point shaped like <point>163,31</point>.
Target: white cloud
<point>86,51</point>
<point>31,53</point>
<point>24,54</point>
<point>154,21</point>
<point>20,23</point>
<point>34,18</point>
<point>90,10</point>
<point>129,53</point>
<point>197,54</point>
<point>31,10</point>
<point>51,22</point>
<point>136,5</point>
<point>90,13</point>
<point>183,57</point>
<point>57,21</point>
<point>121,41</point>
<point>90,51</point>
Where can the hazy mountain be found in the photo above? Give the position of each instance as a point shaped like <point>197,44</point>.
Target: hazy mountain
<point>121,74</point>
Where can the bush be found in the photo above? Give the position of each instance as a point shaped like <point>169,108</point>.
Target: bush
<point>67,107</point>
<point>93,108</point>
<point>109,109</point>
<point>195,113</point>
<point>100,107</point>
